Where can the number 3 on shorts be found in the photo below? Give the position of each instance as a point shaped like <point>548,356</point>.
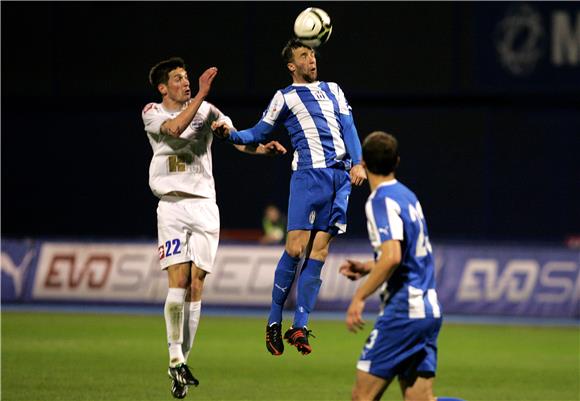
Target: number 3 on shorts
<point>372,338</point>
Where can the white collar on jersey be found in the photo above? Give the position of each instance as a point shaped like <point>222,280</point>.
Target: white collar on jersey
<point>306,84</point>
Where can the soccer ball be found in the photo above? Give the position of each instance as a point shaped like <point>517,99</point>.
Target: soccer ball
<point>313,27</point>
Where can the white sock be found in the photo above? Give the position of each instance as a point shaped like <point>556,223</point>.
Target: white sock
<point>173,312</point>
<point>192,314</point>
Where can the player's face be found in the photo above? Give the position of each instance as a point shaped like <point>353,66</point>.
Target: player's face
<point>177,86</point>
<point>303,65</point>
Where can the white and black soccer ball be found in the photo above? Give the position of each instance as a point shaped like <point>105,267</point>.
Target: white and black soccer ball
<point>313,27</point>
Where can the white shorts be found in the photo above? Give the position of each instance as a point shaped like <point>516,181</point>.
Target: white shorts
<point>188,230</point>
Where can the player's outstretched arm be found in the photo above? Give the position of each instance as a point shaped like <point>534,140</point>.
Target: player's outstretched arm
<point>271,148</point>
<point>177,125</point>
<point>258,133</point>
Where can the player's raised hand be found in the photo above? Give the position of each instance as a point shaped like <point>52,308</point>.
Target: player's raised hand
<point>271,148</point>
<point>352,269</point>
<point>354,320</point>
<point>220,129</point>
<point>357,175</point>
<point>206,79</point>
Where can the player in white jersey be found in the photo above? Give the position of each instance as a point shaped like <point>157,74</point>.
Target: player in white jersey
<point>327,155</point>
<point>403,342</point>
<point>180,175</point>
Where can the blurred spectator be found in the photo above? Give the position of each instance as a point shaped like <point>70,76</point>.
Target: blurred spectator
<point>274,226</point>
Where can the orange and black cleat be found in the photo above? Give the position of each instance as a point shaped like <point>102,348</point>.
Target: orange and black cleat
<point>298,337</point>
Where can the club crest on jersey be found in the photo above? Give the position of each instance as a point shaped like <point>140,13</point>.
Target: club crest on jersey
<point>196,123</point>
<point>312,217</point>
<point>320,95</point>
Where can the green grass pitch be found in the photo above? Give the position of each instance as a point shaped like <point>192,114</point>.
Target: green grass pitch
<point>61,356</point>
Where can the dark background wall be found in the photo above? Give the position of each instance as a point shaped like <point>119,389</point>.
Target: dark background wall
<point>484,98</point>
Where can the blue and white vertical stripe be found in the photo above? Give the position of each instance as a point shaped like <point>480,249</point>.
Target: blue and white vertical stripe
<point>311,114</point>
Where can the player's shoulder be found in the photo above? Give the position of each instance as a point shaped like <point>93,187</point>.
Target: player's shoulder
<point>285,90</point>
<point>208,109</point>
<point>405,190</point>
<point>332,85</point>
<point>206,106</point>
<point>396,191</point>
<point>383,200</point>
<point>402,194</point>
<point>151,108</point>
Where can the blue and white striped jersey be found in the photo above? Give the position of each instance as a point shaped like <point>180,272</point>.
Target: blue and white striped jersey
<point>394,213</point>
<point>315,115</point>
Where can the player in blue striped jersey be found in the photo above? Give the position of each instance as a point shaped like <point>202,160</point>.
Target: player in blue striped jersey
<point>403,341</point>
<point>327,157</point>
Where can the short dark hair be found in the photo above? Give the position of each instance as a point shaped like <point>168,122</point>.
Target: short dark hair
<point>380,153</point>
<point>291,45</point>
<point>159,74</point>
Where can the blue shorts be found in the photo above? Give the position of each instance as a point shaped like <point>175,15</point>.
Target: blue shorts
<point>318,200</point>
<point>401,347</point>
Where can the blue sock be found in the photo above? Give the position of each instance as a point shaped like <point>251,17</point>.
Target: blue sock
<point>308,286</point>
<point>283,278</point>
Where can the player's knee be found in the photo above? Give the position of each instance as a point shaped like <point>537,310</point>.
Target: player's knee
<point>197,283</point>
<point>358,395</point>
<point>196,291</point>
<point>294,249</point>
<point>319,254</point>
<point>182,281</point>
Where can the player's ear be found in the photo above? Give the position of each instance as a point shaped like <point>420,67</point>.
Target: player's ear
<point>398,161</point>
<point>291,67</point>
<point>162,88</point>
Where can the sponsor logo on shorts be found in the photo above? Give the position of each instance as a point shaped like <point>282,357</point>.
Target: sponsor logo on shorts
<point>161,251</point>
<point>312,217</point>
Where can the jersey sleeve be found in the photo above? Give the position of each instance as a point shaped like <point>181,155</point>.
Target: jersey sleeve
<point>343,106</point>
<point>153,118</point>
<point>387,215</point>
<point>349,131</point>
<point>351,139</point>
<point>276,109</point>
<point>257,133</point>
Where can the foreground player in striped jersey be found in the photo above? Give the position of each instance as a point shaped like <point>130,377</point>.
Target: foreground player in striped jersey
<point>181,176</point>
<point>403,341</point>
<point>326,148</point>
